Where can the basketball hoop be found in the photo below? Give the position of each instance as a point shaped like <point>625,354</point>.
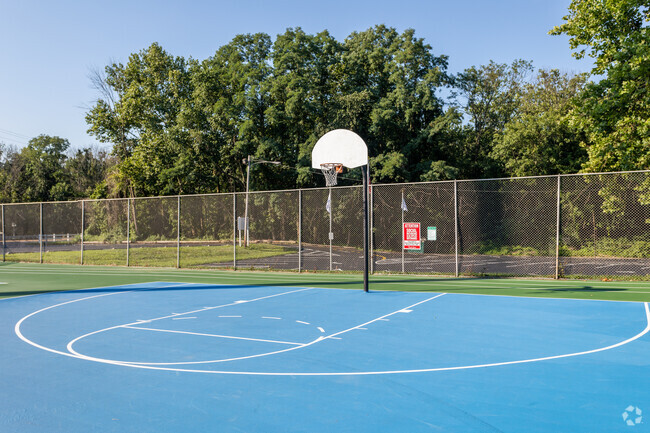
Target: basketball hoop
<point>351,151</point>
<point>331,171</point>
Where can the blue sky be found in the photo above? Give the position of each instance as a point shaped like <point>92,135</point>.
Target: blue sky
<point>47,48</point>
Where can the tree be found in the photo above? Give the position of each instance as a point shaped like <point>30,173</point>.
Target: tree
<point>300,111</point>
<point>138,114</point>
<point>227,117</point>
<point>37,171</point>
<point>488,96</point>
<point>11,167</point>
<point>387,84</point>
<point>615,110</point>
<point>86,169</point>
<point>541,139</point>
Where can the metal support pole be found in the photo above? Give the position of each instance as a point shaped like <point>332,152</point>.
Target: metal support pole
<point>456,226</point>
<point>372,225</point>
<point>4,245</point>
<point>300,230</point>
<point>557,232</point>
<point>178,233</point>
<point>83,229</point>
<point>364,170</point>
<point>330,235</point>
<point>248,176</point>
<point>234,231</point>
<point>402,230</point>
<point>40,236</point>
<point>128,229</point>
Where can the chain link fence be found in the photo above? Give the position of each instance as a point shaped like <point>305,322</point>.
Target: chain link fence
<point>592,225</point>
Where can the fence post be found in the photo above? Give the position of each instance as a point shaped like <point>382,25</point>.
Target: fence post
<point>40,236</point>
<point>300,230</point>
<point>456,226</point>
<point>4,246</point>
<point>178,234</point>
<point>372,225</point>
<point>557,231</point>
<point>234,231</point>
<point>128,229</point>
<point>402,229</point>
<point>83,229</point>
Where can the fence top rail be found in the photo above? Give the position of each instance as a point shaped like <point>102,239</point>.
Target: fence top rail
<point>328,188</point>
<point>553,176</point>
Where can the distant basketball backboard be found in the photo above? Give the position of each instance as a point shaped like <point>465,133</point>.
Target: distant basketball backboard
<point>333,151</point>
<point>340,146</point>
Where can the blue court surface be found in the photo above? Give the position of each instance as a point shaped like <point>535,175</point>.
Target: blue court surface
<point>172,357</point>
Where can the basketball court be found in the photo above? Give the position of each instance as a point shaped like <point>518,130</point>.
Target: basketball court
<point>178,356</point>
<point>134,350</point>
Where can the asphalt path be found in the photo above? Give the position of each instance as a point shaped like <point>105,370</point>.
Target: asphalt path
<point>318,258</point>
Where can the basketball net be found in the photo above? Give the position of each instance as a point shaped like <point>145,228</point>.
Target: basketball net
<point>331,171</point>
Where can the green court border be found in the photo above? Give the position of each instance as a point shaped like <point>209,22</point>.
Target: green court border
<point>21,279</point>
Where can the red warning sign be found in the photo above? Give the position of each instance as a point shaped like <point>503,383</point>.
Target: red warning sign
<point>411,236</point>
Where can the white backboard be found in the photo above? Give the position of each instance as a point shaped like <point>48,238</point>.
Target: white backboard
<point>340,146</point>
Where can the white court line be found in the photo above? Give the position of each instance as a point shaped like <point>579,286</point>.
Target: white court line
<point>213,335</point>
<point>152,367</point>
<point>259,355</point>
<point>28,341</point>
<point>423,370</point>
<point>71,343</point>
<point>200,310</point>
<point>272,318</point>
<point>304,323</point>
<point>231,275</point>
<point>72,355</point>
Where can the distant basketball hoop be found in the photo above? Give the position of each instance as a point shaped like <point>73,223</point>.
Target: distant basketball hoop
<point>331,171</point>
<point>333,151</point>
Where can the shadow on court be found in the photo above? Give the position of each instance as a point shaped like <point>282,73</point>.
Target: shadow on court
<point>584,289</point>
<point>377,286</point>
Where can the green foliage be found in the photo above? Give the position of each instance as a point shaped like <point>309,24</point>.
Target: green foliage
<point>43,178</point>
<point>489,97</point>
<point>183,126</point>
<point>388,167</point>
<point>192,257</point>
<point>490,249</point>
<point>615,109</point>
<point>540,138</point>
<point>440,171</point>
<point>43,171</point>
<point>635,247</point>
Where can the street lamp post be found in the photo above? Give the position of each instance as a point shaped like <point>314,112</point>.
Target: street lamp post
<point>250,161</point>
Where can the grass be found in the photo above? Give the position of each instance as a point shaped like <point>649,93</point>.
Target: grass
<point>191,256</point>
<point>27,279</point>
